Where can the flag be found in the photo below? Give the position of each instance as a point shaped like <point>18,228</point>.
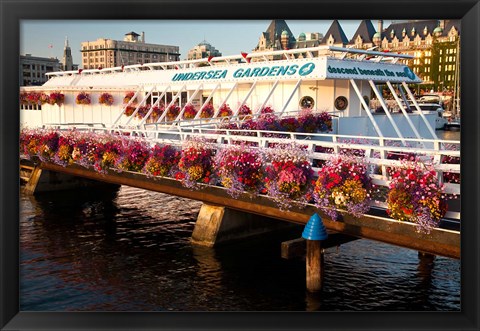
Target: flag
<point>50,46</point>
<point>245,56</point>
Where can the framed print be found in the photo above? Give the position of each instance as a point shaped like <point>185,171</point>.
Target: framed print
<point>96,92</point>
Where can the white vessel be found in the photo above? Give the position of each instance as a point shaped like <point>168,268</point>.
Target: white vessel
<point>339,81</point>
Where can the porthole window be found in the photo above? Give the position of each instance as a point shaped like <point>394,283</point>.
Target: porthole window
<point>307,102</point>
<point>341,103</point>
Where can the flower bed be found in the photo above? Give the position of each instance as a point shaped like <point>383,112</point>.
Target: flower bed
<point>450,177</point>
<point>267,110</point>
<point>84,147</point>
<point>343,183</point>
<point>47,146</point>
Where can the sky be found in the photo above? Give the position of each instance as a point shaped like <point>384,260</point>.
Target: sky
<point>230,37</point>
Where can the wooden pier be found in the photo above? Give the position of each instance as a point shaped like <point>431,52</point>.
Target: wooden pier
<point>440,241</point>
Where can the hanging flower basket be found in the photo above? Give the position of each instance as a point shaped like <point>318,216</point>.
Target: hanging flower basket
<point>289,177</point>
<point>106,99</point>
<point>172,112</point>
<point>56,98</point>
<point>240,169</point>
<point>343,183</point>
<point>44,98</point>
<point>267,110</point>
<point>128,97</point>
<point>190,112</point>
<point>129,111</point>
<point>207,111</point>
<point>163,161</point>
<point>33,98</point>
<point>416,196</point>
<point>244,111</point>
<point>133,156</point>
<point>156,113</point>
<point>83,98</point>
<point>225,111</point>
<point>196,163</point>
<point>143,111</point>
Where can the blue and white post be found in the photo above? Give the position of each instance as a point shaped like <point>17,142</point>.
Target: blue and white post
<point>314,233</point>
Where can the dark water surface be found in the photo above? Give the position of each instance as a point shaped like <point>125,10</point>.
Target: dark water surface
<point>129,250</point>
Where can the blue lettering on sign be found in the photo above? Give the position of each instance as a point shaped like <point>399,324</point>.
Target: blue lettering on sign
<point>273,71</point>
<point>211,74</point>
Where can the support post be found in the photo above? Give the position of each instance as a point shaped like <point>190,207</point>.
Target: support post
<point>219,224</point>
<point>315,265</point>
<point>314,233</point>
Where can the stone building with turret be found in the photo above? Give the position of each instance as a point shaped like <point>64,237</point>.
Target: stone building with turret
<point>435,44</point>
<point>335,36</point>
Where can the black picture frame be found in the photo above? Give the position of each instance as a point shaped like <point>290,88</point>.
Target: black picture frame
<point>12,12</point>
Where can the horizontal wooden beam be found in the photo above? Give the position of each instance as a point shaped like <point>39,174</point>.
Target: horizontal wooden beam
<point>297,247</point>
<point>439,242</point>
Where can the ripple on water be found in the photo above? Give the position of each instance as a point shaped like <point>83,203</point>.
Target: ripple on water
<point>130,250</point>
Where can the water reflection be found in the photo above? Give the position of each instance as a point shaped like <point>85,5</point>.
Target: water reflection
<point>130,250</point>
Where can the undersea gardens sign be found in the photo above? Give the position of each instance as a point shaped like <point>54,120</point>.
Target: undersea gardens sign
<point>307,69</point>
<point>248,72</point>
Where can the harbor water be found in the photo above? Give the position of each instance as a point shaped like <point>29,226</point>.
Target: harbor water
<point>129,250</point>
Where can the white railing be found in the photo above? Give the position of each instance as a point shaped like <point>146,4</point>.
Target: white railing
<point>375,150</point>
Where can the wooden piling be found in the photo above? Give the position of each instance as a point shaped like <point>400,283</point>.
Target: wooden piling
<point>315,265</point>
